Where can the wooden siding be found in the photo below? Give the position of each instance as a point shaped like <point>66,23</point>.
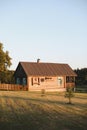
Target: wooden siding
<point>47,83</point>
<point>47,89</point>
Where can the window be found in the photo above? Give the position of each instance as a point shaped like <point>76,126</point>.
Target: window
<point>35,81</point>
<point>18,81</point>
<point>60,81</point>
<point>24,81</point>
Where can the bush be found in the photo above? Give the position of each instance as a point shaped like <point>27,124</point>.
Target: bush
<point>42,92</point>
<point>69,94</point>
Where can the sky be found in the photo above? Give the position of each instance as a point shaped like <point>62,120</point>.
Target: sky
<point>51,30</point>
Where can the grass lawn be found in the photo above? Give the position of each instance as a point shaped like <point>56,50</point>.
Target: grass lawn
<point>31,111</point>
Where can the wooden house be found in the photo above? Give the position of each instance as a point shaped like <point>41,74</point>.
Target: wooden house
<point>48,76</point>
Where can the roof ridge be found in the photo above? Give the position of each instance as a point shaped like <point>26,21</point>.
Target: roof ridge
<point>43,62</point>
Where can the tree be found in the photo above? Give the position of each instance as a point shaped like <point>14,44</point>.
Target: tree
<point>5,63</point>
<point>81,78</point>
<point>69,94</point>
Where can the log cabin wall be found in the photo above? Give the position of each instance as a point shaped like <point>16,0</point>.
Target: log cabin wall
<point>38,83</point>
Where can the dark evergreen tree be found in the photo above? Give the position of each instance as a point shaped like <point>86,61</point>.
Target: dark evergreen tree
<point>81,78</point>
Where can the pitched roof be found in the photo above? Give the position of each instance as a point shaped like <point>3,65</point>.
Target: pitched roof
<point>47,69</point>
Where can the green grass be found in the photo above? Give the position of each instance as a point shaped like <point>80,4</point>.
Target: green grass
<point>31,111</point>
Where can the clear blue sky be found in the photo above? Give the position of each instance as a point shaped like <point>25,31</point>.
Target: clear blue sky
<point>52,30</point>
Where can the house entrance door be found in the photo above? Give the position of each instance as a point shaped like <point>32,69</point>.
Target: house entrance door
<point>60,82</point>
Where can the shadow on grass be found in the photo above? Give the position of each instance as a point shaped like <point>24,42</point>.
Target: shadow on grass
<point>44,99</point>
<point>38,119</point>
<point>41,99</point>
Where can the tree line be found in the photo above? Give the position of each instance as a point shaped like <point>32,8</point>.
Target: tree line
<point>6,75</point>
<point>81,79</point>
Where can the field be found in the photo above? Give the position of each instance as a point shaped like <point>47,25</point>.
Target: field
<point>31,111</point>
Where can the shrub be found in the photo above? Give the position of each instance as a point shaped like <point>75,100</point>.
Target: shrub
<point>42,92</point>
<point>69,94</point>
